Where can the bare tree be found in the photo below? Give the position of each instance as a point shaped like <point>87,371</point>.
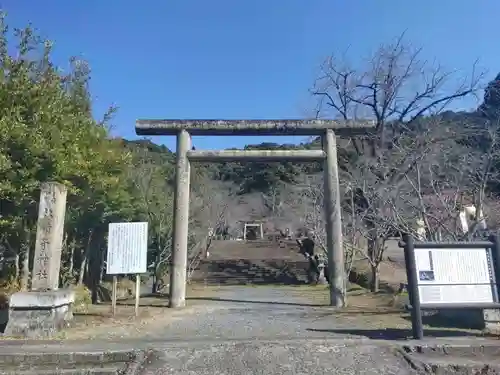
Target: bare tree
<point>456,173</point>
<point>305,203</point>
<point>397,90</point>
<point>210,202</point>
<point>274,199</point>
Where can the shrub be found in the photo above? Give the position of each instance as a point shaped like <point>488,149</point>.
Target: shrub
<point>83,297</point>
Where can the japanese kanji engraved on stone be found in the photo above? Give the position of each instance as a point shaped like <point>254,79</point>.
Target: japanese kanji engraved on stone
<point>49,237</point>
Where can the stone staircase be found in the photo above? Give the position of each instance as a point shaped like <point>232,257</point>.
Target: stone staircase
<point>252,262</point>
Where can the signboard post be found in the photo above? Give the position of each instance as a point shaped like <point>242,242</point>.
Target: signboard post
<point>127,254</point>
<point>456,275</point>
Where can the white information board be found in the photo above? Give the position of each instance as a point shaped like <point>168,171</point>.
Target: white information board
<point>127,248</point>
<point>454,276</point>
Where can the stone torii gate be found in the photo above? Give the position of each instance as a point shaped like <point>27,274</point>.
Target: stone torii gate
<point>183,129</point>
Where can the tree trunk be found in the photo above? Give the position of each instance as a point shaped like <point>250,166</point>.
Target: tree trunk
<point>156,274</point>
<point>71,259</point>
<point>154,287</point>
<point>83,266</point>
<point>94,265</point>
<point>102,266</point>
<point>25,259</point>
<point>375,278</point>
<point>17,268</point>
<point>25,273</point>
<point>375,250</point>
<point>85,259</point>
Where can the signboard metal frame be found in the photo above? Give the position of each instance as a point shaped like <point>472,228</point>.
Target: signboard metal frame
<point>493,251</point>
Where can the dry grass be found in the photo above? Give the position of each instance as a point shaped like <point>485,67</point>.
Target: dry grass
<point>391,275</point>
<point>358,298</point>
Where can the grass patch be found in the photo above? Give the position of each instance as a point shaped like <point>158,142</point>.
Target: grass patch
<point>357,296</point>
<point>391,275</point>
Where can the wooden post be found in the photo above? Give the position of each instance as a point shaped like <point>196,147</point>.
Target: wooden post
<point>137,293</point>
<point>113,295</point>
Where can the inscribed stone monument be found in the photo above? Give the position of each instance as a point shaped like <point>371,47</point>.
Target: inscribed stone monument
<point>49,237</point>
<point>44,310</point>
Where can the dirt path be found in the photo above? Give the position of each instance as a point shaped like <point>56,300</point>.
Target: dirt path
<point>224,312</point>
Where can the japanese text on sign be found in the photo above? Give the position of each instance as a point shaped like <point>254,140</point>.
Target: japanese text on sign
<point>127,248</point>
<point>454,276</point>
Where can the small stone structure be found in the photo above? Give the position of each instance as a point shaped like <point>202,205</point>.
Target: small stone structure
<point>321,261</point>
<point>253,225</point>
<point>44,309</point>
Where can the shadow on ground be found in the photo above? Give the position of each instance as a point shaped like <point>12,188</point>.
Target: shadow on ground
<point>149,300</point>
<point>252,301</point>
<point>396,333</point>
<point>436,319</point>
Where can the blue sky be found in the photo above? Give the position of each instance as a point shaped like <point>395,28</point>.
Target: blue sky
<point>245,58</point>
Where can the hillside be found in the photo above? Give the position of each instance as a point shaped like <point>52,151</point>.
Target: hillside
<point>262,177</point>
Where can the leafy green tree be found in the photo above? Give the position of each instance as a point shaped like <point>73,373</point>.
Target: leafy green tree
<point>47,133</point>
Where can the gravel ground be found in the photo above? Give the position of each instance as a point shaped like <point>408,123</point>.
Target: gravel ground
<point>251,313</point>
